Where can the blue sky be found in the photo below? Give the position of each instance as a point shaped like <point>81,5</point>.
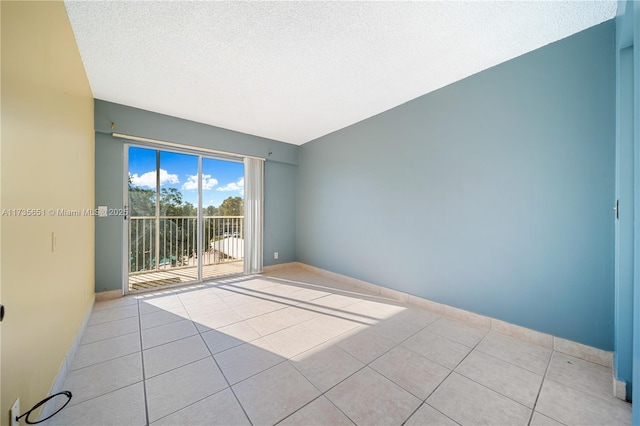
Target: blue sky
<point>221,179</point>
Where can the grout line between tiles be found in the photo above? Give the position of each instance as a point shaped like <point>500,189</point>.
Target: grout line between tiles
<point>310,402</point>
<point>108,338</point>
<point>544,377</point>
<point>190,405</point>
<point>365,365</point>
<point>101,362</point>
<point>144,379</point>
<point>225,378</point>
<point>178,367</point>
<point>518,341</point>
<point>424,401</point>
<point>103,394</point>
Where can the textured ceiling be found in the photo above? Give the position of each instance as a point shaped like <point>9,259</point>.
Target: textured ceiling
<point>294,71</point>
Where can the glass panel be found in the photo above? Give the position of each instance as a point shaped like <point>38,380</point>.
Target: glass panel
<point>142,209</point>
<point>178,218</point>
<point>223,217</point>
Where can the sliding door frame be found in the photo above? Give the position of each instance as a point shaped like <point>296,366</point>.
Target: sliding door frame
<point>159,146</point>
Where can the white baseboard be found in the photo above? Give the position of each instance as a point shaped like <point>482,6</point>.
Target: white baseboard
<point>58,383</point>
<point>620,389</point>
<point>108,295</point>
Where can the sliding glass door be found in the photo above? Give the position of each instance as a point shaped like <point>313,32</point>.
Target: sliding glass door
<point>186,218</point>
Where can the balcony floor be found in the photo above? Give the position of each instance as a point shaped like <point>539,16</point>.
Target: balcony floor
<point>173,276</point>
<point>298,348</point>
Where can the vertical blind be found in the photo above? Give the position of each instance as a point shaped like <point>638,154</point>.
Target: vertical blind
<point>254,214</point>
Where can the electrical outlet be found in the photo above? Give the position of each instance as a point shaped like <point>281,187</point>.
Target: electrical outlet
<point>15,413</point>
<point>275,254</point>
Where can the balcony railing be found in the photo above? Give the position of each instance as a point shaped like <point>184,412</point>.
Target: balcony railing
<point>170,242</point>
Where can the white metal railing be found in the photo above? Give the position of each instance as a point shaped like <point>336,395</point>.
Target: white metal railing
<point>169,242</point>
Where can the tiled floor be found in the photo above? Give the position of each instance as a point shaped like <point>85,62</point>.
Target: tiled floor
<point>266,350</point>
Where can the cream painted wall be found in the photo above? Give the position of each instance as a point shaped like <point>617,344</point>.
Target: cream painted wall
<point>47,162</point>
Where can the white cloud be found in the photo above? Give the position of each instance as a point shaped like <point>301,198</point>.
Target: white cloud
<point>234,186</point>
<point>207,182</point>
<point>149,179</point>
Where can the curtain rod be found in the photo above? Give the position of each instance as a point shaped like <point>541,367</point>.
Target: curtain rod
<point>181,146</point>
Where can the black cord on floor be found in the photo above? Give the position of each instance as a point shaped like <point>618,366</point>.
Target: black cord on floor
<point>44,401</point>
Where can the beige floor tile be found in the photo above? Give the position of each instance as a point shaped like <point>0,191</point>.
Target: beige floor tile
<point>110,329</point>
<point>307,294</point>
<point>99,379</point>
<point>281,292</point>
<point>571,406</point>
<point>542,420</point>
<point>274,394</point>
<point>517,352</point>
<point>104,350</point>
<point>106,315</point>
<point>336,301</point>
<point>376,310</point>
<point>369,398</point>
<point>230,336</point>
<point>163,358</point>
<point>179,388</point>
<point>458,332</point>
<point>396,329</point>
<point>583,375</point>
<point>272,322</point>
<point>123,406</point>
<point>167,333</point>
<point>418,316</point>
<point>221,409</point>
<point>294,340</point>
<point>427,415</point>
<point>206,307</point>
<point>411,371</point>
<point>240,330</point>
<point>513,382</point>
<point>319,412</point>
<point>303,312</point>
<point>163,317</point>
<point>216,320</point>
<point>328,327</point>
<point>437,348</point>
<point>326,365</point>
<point>166,301</point>
<point>195,296</point>
<point>248,359</point>
<point>364,344</point>
<point>224,291</point>
<point>235,299</point>
<point>256,284</point>
<point>258,308</point>
<point>147,308</point>
<point>468,402</point>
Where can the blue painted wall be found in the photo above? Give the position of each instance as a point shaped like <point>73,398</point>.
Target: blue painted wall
<point>280,177</point>
<point>493,194</point>
<point>108,230</point>
<point>280,182</point>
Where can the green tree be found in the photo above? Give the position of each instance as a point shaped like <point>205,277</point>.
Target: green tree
<point>172,204</point>
<point>142,202</point>
<point>232,206</point>
<point>178,236</point>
